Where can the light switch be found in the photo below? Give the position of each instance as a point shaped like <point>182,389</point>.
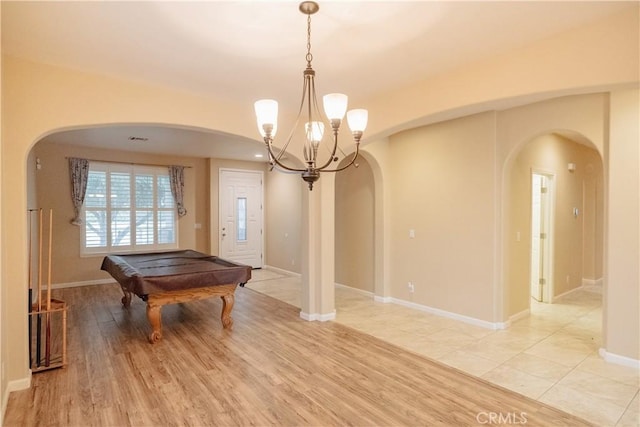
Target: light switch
<point>412,233</point>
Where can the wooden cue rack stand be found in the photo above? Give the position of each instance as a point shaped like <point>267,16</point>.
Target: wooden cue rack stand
<point>47,315</point>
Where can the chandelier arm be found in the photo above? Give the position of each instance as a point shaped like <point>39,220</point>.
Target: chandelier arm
<point>276,160</point>
<point>344,155</point>
<point>333,152</point>
<point>273,165</point>
<point>353,159</point>
<point>334,130</point>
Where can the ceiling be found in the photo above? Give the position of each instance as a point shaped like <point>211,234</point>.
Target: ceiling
<point>247,50</point>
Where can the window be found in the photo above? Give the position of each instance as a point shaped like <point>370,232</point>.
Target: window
<point>241,232</point>
<point>128,208</point>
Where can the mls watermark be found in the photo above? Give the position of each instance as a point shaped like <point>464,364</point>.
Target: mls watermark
<point>501,418</point>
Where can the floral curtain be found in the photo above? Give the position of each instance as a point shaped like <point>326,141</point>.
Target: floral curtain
<point>176,177</point>
<point>79,170</point>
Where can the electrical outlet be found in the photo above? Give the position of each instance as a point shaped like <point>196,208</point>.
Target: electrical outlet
<point>411,287</point>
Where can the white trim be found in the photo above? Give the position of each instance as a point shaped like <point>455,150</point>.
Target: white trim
<point>15,385</point>
<point>593,285</point>
<point>518,316</point>
<point>313,317</point>
<point>570,291</point>
<point>455,316</point>
<point>619,360</point>
<point>327,316</point>
<point>82,283</point>
<point>281,271</point>
<point>385,300</point>
<point>308,317</point>
<point>351,288</point>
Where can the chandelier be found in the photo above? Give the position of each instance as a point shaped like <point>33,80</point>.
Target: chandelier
<point>309,124</point>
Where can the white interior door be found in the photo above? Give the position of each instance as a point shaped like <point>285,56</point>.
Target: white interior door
<point>240,216</point>
<point>541,202</point>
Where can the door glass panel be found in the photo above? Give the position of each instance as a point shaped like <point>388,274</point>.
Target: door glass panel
<point>241,219</point>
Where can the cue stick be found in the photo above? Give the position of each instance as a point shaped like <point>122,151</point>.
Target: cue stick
<point>39,320</point>
<point>30,291</point>
<point>47,357</point>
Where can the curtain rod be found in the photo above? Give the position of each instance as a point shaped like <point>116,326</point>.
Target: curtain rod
<point>129,163</point>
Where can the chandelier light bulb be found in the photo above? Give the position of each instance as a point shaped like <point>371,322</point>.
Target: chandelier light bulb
<point>267,116</point>
<point>357,120</point>
<point>335,105</point>
<point>314,131</point>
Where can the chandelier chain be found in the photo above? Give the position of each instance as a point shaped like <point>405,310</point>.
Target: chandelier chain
<point>309,56</point>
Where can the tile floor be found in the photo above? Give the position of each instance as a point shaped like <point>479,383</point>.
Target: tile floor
<point>550,356</point>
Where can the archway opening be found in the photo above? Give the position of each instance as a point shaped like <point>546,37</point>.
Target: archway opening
<point>560,261</point>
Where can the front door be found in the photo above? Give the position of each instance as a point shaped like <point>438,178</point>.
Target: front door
<point>240,216</point>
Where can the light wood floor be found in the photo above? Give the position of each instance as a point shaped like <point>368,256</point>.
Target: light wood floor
<point>272,369</point>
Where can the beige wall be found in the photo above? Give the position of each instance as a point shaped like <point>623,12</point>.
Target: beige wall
<point>4,330</point>
<point>575,239</point>
<point>585,59</point>
<point>354,230</point>
<point>53,187</point>
<point>442,186</point>
<point>284,220</point>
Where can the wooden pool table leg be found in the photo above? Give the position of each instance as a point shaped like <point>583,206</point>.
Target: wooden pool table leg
<point>126,299</point>
<point>227,306</point>
<point>155,320</point>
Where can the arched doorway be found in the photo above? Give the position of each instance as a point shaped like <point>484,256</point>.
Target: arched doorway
<point>575,232</point>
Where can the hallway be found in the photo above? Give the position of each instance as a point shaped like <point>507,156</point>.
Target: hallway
<point>551,356</point>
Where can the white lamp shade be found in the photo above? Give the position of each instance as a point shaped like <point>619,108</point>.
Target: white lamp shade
<point>335,105</point>
<point>314,131</point>
<point>357,120</point>
<point>266,114</point>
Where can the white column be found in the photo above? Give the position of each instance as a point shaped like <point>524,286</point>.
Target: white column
<point>318,258</point>
<point>622,277</point>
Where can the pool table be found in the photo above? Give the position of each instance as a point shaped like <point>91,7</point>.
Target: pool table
<point>173,277</point>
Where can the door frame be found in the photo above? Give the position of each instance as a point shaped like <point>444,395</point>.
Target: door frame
<point>547,290</point>
<point>262,234</point>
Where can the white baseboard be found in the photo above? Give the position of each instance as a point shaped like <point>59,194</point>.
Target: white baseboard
<point>83,283</point>
<point>619,360</point>
<point>518,316</point>
<point>351,288</point>
<point>281,271</point>
<point>570,291</point>
<point>385,300</point>
<point>593,285</point>
<point>588,285</point>
<point>15,385</point>
<point>450,315</point>
<point>317,317</point>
